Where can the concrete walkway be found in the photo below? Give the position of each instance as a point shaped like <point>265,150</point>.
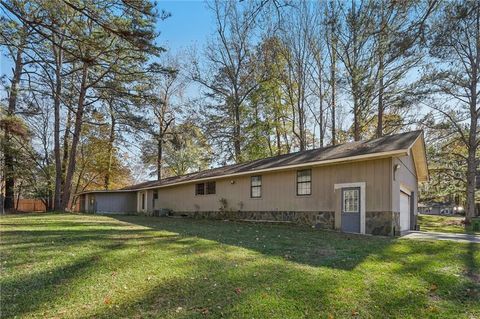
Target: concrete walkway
<point>466,238</point>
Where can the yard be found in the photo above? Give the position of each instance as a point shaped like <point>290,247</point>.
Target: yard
<point>444,224</point>
<point>65,266</point>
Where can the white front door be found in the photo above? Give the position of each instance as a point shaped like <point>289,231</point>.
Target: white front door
<point>404,212</point>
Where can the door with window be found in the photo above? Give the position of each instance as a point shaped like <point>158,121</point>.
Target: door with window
<point>350,210</point>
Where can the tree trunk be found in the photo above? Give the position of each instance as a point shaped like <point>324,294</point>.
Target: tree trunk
<point>278,136</point>
<point>159,157</point>
<point>236,134</point>
<point>333,69</point>
<point>56,130</point>
<point>321,121</point>
<point>111,141</point>
<point>356,119</point>
<point>381,75</point>
<point>380,102</point>
<point>75,139</point>
<point>471,173</point>
<point>9,164</point>
<point>66,139</point>
<point>334,130</point>
<point>301,117</point>
<point>355,79</point>
<point>472,159</point>
<point>20,188</point>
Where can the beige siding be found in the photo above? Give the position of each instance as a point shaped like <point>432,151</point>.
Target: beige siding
<point>279,190</point>
<point>406,178</point>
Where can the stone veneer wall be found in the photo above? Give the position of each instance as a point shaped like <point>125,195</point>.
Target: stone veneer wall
<point>382,223</point>
<point>376,223</point>
<point>396,223</point>
<point>324,220</point>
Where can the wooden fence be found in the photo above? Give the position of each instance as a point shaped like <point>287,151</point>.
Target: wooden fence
<point>30,205</point>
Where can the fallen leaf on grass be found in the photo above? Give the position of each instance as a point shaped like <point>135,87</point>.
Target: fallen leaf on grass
<point>204,311</point>
<point>432,309</point>
<point>238,291</point>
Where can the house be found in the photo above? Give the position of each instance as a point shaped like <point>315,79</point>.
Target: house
<point>437,208</point>
<point>367,187</point>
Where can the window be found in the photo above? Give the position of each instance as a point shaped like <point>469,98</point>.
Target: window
<point>256,187</point>
<point>207,188</point>
<point>304,182</point>
<point>200,189</point>
<point>351,200</point>
<point>143,200</point>
<point>211,188</point>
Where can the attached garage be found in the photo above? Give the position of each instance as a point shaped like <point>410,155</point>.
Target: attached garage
<point>404,211</point>
<point>109,202</point>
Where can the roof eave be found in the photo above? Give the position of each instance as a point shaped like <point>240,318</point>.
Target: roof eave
<point>107,191</point>
<point>379,155</point>
<point>418,150</point>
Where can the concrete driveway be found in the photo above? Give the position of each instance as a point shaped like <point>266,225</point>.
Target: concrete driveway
<point>466,238</point>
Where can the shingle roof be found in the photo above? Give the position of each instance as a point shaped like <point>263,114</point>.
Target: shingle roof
<point>384,144</point>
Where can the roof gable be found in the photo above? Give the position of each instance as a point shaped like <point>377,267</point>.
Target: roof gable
<point>419,154</point>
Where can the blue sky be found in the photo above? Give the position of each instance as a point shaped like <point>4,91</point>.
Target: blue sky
<point>190,24</point>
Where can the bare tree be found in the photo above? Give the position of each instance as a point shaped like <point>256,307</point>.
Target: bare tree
<point>296,35</point>
<point>454,74</point>
<point>355,51</point>
<point>227,76</point>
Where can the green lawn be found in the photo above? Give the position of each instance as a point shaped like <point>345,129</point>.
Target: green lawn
<point>444,224</point>
<point>81,266</point>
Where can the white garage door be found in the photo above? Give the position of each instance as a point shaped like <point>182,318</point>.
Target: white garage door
<point>404,211</point>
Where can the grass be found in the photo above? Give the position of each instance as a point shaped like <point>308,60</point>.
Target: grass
<point>443,224</point>
<point>84,266</point>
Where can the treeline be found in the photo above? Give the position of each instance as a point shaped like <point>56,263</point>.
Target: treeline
<point>89,85</point>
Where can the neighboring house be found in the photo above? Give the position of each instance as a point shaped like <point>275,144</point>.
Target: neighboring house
<point>436,208</point>
<point>368,187</point>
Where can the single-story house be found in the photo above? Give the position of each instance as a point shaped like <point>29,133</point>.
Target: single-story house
<point>367,187</point>
<point>439,208</point>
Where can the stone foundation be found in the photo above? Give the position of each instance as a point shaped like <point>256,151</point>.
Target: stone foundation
<point>382,223</point>
<point>376,223</point>
<point>324,220</point>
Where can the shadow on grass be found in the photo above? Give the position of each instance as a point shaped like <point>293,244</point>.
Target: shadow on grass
<point>26,294</point>
<point>295,243</point>
<point>214,287</point>
<point>226,269</point>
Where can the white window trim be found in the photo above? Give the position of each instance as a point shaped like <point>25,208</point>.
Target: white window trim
<point>362,186</point>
